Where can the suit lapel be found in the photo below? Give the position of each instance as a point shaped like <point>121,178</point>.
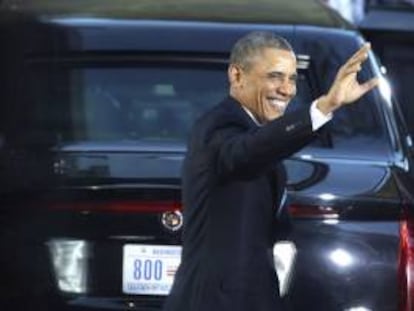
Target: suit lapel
<point>235,109</point>
<point>276,174</point>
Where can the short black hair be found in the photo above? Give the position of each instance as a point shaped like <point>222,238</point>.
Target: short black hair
<point>249,45</point>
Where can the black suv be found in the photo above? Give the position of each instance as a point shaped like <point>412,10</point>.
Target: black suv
<point>94,118</point>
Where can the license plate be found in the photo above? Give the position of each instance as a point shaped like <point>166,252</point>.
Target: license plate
<point>149,269</point>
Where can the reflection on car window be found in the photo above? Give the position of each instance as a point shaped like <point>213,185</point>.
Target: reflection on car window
<point>357,130</point>
<point>160,103</point>
<point>142,103</point>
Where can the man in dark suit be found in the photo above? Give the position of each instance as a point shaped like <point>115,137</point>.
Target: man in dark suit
<point>232,183</point>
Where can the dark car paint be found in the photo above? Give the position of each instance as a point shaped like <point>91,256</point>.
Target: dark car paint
<point>363,210</point>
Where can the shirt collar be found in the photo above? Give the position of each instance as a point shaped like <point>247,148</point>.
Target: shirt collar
<point>250,114</point>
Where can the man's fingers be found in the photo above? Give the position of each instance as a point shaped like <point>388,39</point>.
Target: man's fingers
<point>355,68</point>
<point>360,56</point>
<point>369,85</point>
<point>354,63</point>
<point>359,60</point>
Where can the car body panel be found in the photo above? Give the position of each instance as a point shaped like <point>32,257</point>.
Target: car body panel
<point>100,194</point>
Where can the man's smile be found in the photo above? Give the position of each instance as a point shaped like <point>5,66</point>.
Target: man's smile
<point>277,103</point>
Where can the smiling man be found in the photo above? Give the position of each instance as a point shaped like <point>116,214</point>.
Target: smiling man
<point>263,80</point>
<point>233,183</point>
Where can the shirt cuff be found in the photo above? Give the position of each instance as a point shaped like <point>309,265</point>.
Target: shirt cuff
<point>318,118</point>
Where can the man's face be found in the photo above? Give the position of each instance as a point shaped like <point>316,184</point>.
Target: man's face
<point>268,85</point>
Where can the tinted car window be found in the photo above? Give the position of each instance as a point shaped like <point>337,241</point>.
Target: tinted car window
<point>358,130</point>
<point>126,103</point>
<point>148,101</point>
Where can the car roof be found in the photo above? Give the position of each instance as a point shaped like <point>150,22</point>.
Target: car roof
<point>66,35</point>
<point>61,28</point>
<point>293,12</point>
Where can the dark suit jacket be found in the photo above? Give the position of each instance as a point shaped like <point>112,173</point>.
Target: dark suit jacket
<point>231,193</point>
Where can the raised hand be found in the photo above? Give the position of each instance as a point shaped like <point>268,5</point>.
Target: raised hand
<point>346,88</point>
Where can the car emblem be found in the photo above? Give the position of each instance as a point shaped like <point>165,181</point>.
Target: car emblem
<point>172,220</point>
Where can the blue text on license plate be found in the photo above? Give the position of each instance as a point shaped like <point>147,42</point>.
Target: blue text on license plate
<point>149,269</point>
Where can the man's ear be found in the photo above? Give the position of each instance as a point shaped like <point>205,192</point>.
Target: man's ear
<point>234,74</point>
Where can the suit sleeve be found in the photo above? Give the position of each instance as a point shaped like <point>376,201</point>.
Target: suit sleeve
<point>242,153</point>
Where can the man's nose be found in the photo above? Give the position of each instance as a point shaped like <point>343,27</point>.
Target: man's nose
<point>286,87</point>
